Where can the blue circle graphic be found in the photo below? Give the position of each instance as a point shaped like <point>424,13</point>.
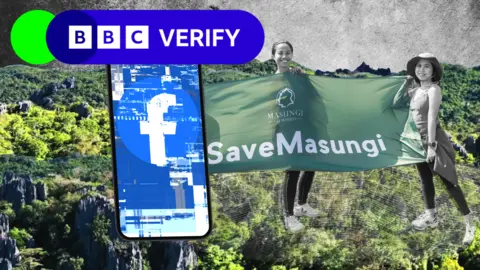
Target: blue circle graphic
<point>58,36</point>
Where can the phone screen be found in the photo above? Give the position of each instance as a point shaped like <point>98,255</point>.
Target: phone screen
<point>158,150</point>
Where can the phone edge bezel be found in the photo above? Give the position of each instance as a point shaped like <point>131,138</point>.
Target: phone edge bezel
<point>114,167</point>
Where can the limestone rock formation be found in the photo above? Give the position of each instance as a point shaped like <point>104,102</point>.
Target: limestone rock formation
<point>9,253</point>
<point>99,255</point>
<point>20,189</point>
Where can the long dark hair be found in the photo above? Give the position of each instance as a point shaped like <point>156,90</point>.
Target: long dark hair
<point>274,47</point>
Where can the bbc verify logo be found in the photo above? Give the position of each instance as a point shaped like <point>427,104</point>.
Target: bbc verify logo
<point>92,37</point>
<point>137,37</point>
<point>108,37</point>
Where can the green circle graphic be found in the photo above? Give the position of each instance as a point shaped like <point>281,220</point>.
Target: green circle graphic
<point>29,37</point>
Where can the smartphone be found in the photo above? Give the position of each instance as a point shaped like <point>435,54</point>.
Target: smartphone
<point>160,168</point>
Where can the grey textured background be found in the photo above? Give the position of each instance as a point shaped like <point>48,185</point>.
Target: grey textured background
<point>326,34</point>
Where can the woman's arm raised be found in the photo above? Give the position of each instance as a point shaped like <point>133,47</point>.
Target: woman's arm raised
<point>402,96</point>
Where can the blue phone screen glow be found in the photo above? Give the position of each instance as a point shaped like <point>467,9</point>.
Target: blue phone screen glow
<point>159,153</point>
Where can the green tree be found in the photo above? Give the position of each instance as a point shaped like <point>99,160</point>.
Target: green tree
<point>217,258</point>
<point>6,208</point>
<point>100,226</point>
<point>21,236</point>
<point>31,258</point>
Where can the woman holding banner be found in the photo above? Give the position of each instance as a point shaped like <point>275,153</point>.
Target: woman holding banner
<point>282,53</point>
<point>425,97</point>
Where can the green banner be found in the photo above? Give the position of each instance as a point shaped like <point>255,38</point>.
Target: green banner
<point>299,122</point>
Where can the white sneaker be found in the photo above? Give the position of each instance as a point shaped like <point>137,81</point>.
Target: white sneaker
<point>292,224</point>
<point>424,221</point>
<point>469,233</point>
<point>305,210</point>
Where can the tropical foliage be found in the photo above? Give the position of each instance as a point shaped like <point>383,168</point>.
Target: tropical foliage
<point>365,215</point>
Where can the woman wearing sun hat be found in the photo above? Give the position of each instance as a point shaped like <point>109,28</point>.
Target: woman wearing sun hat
<point>425,97</point>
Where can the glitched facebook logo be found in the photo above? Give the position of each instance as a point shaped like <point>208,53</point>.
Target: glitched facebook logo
<point>160,163</point>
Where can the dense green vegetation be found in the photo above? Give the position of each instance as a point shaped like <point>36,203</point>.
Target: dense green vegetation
<point>364,215</point>
<point>461,100</point>
<point>46,134</point>
<point>19,82</point>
